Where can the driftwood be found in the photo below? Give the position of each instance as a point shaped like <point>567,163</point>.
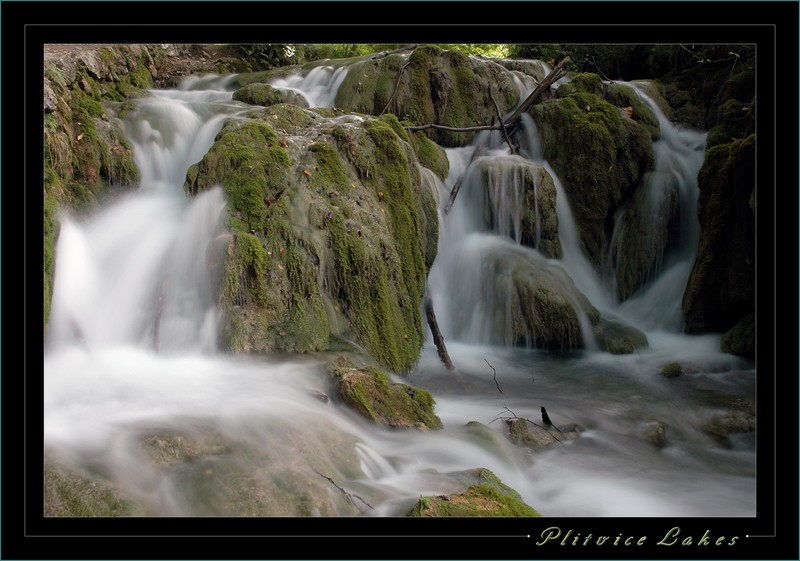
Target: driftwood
<point>438,340</point>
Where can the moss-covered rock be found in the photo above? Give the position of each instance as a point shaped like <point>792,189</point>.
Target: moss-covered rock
<point>519,198</point>
<point>672,370</point>
<point>526,299</point>
<point>618,338</point>
<point>600,155</point>
<point>741,338</point>
<point>625,97</point>
<point>721,287</point>
<point>430,86</point>
<point>488,496</point>
<point>370,392</point>
<point>333,231</point>
<point>264,94</point>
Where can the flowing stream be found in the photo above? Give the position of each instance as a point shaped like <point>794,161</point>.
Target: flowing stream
<point>131,352</point>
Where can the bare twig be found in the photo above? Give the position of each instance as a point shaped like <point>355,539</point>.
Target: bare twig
<point>500,417</point>
<point>495,376</point>
<point>349,496</point>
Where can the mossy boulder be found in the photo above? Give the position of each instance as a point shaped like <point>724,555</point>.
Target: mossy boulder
<point>430,85</point>
<point>672,370</point>
<point>741,338</point>
<point>525,299</point>
<point>735,415</point>
<point>721,287</point>
<point>617,337</point>
<point>600,155</point>
<point>485,496</point>
<point>264,94</point>
<point>373,395</point>
<point>519,201</point>
<point>332,232</point>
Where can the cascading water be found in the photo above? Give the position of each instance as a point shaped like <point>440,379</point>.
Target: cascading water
<point>318,87</point>
<point>134,393</point>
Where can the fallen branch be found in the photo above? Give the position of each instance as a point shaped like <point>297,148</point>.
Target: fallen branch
<point>438,340</point>
<point>555,75</point>
<point>454,193</point>
<point>502,124</point>
<point>348,495</point>
<point>453,129</point>
<point>495,376</point>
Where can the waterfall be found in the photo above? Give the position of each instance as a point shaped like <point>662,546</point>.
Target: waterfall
<point>136,396</point>
<point>138,272</point>
<point>318,87</point>
<point>678,154</point>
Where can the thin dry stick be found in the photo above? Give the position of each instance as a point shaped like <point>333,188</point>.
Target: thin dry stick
<point>495,376</point>
<point>502,124</point>
<point>348,495</point>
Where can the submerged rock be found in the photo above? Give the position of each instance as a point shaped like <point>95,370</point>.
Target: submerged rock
<point>524,433</point>
<point>656,433</point>
<point>485,495</point>
<point>618,338</point>
<point>370,392</point>
<point>672,370</point>
<point>333,229</point>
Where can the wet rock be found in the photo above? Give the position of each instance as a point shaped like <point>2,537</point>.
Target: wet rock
<point>524,433</point>
<point>264,94</point>
<point>720,291</point>
<point>741,339</point>
<point>617,337</point>
<point>656,433</point>
<point>486,495</point>
<point>672,370</point>
<point>370,392</point>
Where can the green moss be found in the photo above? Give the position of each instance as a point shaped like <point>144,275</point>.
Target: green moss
<point>623,96</point>
<point>490,498</point>
<point>329,173</point>
<point>430,154</point>
<point>600,157</point>
<point>249,163</point>
<point>618,338</point>
<point>672,370</point>
<point>258,94</point>
<point>370,392</point>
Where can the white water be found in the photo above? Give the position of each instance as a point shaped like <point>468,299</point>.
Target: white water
<point>318,87</point>
<point>106,382</point>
